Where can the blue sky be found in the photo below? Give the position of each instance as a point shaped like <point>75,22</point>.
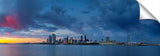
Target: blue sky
<point>94,18</point>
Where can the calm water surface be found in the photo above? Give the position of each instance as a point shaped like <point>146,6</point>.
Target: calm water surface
<point>78,50</point>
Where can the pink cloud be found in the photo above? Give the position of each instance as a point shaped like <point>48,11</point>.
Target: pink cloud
<point>10,21</point>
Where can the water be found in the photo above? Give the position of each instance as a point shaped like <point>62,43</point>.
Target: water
<point>78,50</point>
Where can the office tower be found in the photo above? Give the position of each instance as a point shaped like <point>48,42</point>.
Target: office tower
<point>107,39</point>
<point>67,39</point>
<point>81,38</point>
<point>85,38</point>
<point>59,40</point>
<point>71,40</point>
<point>53,38</point>
<point>62,41</point>
<point>75,41</point>
<point>47,40</point>
<point>50,39</point>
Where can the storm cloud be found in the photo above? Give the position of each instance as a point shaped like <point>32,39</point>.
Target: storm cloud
<point>94,18</point>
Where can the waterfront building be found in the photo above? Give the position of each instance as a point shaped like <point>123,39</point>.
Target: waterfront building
<point>113,41</point>
<point>75,40</point>
<point>53,38</point>
<point>139,43</point>
<point>50,39</point>
<point>85,38</point>
<point>67,39</point>
<point>118,43</point>
<point>107,39</point>
<point>79,41</point>
<point>71,40</point>
<point>47,40</point>
<point>59,40</point>
<point>81,38</point>
<point>62,41</point>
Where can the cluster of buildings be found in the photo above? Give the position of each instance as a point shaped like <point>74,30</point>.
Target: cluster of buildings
<point>84,41</point>
<point>51,39</point>
<point>70,40</point>
<point>108,41</point>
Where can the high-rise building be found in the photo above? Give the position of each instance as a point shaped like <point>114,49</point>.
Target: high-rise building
<point>50,39</point>
<point>47,40</point>
<point>85,38</point>
<point>81,38</point>
<point>107,39</point>
<point>67,39</point>
<point>71,40</point>
<point>59,40</point>
<point>53,38</point>
<point>75,40</point>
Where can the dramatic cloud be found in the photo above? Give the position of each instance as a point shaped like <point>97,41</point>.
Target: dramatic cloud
<point>10,21</point>
<point>94,18</point>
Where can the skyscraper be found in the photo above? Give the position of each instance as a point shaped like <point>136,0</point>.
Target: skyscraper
<point>107,39</point>
<point>75,40</point>
<point>60,40</point>
<point>71,40</point>
<point>85,38</point>
<point>81,38</point>
<point>67,39</point>
<point>47,40</point>
<point>53,38</point>
<point>50,39</point>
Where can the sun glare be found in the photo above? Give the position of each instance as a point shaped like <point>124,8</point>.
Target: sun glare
<point>20,40</point>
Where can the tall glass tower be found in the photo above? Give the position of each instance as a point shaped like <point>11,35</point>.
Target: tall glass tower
<point>50,39</point>
<point>53,38</point>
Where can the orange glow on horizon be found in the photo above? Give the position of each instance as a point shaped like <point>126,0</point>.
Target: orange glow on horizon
<point>20,40</point>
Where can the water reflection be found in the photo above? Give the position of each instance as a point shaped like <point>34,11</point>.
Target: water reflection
<point>78,50</point>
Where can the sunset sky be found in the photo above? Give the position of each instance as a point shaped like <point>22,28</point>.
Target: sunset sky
<point>31,21</point>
